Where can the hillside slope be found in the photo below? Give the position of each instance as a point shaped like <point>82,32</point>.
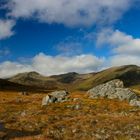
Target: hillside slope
<point>10,86</point>
<point>129,74</point>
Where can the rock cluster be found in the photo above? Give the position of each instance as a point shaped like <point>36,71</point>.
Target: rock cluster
<point>114,90</point>
<point>54,97</point>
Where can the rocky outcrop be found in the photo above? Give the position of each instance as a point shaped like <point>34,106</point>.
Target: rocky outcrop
<point>54,97</point>
<point>114,90</point>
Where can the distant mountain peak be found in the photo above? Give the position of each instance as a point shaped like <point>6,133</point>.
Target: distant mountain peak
<point>26,74</point>
<point>33,73</point>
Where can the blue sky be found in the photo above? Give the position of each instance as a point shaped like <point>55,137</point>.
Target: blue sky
<point>53,37</point>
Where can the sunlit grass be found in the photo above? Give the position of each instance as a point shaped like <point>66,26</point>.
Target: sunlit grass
<point>63,121</point>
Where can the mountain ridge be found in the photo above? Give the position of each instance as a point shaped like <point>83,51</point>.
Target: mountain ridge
<point>129,74</point>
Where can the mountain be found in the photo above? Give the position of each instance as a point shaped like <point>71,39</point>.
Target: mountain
<point>35,80</point>
<point>129,74</point>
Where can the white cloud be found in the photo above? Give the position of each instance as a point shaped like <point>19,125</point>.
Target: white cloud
<point>62,64</point>
<point>11,68</point>
<point>121,42</point>
<point>125,48</point>
<point>119,60</point>
<point>50,65</point>
<point>70,12</point>
<point>129,45</point>
<point>6,28</point>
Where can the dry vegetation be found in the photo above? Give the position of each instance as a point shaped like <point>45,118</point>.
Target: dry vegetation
<point>23,118</point>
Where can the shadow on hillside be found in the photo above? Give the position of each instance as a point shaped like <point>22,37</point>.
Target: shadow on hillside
<point>13,133</point>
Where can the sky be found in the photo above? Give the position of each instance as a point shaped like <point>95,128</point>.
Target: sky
<point>54,37</point>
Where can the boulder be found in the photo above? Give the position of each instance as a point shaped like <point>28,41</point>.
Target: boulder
<point>59,94</point>
<point>113,90</point>
<point>54,97</point>
<point>106,89</point>
<point>45,100</point>
<point>125,94</point>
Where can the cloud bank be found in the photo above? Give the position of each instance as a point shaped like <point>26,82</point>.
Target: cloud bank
<point>125,48</point>
<point>50,65</point>
<point>70,12</point>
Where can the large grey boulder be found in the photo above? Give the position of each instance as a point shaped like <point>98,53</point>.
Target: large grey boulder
<point>113,90</point>
<point>54,97</point>
<point>106,89</point>
<point>59,94</point>
<point>125,94</point>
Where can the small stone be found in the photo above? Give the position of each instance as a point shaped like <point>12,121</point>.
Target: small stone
<point>77,107</point>
<point>76,99</point>
<point>23,114</point>
<point>102,131</point>
<point>98,136</point>
<point>74,130</point>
